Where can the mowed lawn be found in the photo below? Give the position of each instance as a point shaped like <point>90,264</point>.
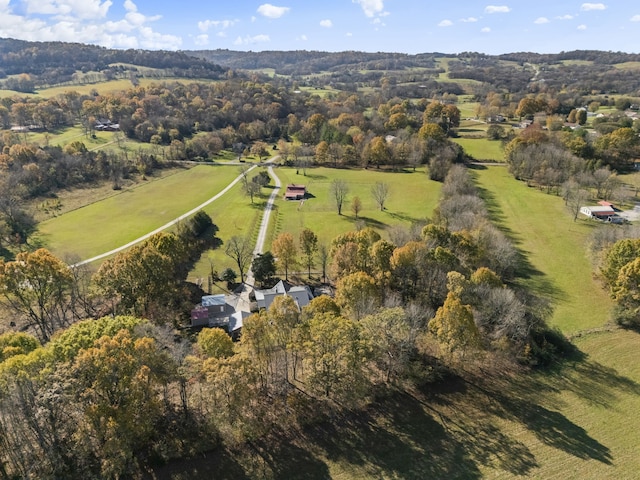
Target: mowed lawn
<point>412,198</point>
<point>482,149</point>
<point>554,246</point>
<point>117,220</point>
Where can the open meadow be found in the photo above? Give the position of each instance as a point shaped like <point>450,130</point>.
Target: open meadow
<point>119,219</point>
<point>553,246</point>
<point>412,198</point>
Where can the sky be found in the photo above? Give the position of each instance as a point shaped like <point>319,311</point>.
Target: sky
<point>404,26</point>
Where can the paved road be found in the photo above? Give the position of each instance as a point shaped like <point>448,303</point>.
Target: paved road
<point>167,225</point>
<point>244,303</point>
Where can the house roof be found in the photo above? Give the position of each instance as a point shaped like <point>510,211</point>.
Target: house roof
<point>211,300</point>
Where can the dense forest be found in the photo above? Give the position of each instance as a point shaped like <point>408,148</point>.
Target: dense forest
<point>100,376</point>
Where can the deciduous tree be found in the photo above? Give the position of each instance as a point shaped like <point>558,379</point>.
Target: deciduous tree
<point>339,191</point>
<point>36,284</point>
<point>285,251</point>
<point>241,251</point>
<point>380,193</point>
<point>309,247</point>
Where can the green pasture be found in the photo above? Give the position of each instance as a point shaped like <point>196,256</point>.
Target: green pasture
<point>467,108</point>
<point>412,197</point>
<point>482,149</point>
<point>554,249</point>
<point>102,88</point>
<point>628,66</point>
<point>119,219</point>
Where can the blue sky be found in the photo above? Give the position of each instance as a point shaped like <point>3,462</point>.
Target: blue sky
<point>408,26</point>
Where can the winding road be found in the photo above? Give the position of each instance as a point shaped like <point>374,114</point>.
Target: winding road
<point>172,222</point>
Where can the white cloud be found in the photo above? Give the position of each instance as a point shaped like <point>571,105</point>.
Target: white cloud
<point>371,8</point>
<point>565,17</point>
<point>217,24</point>
<point>541,20</point>
<point>582,27</point>
<point>485,30</point>
<point>496,9</point>
<point>586,7</point>
<point>469,20</point>
<point>635,18</point>
<point>271,11</point>
<point>202,40</point>
<point>349,34</point>
<point>326,23</point>
<point>83,21</point>
<point>85,9</point>
<point>303,38</point>
<point>445,23</point>
<point>249,40</point>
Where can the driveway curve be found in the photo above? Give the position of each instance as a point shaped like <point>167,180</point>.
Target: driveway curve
<point>166,225</point>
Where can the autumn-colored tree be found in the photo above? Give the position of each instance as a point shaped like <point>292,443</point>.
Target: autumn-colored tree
<point>320,304</point>
<point>334,351</point>
<point>356,206</point>
<point>453,326</point>
<point>285,250</point>
<point>617,256</point>
<point>259,149</point>
<point>116,383</point>
<point>357,294</point>
<point>215,342</point>
<point>377,152</point>
<point>432,131</point>
<point>309,247</point>
<point>143,275</point>
<point>36,285</point>
<point>392,338</point>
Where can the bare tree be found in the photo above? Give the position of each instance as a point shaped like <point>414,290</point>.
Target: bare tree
<point>241,251</point>
<point>575,199</point>
<point>380,192</point>
<point>339,190</point>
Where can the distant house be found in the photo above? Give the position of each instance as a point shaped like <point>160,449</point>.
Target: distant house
<point>106,126</point>
<point>295,192</point>
<point>301,294</point>
<point>599,212</point>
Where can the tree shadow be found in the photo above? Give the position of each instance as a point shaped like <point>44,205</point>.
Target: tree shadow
<point>369,222</point>
<point>524,269</point>
<point>219,464</point>
<point>396,438</point>
<point>532,401</point>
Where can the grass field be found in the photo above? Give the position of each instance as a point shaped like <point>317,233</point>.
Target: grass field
<point>555,248</point>
<point>115,221</point>
<point>482,149</point>
<point>412,197</point>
